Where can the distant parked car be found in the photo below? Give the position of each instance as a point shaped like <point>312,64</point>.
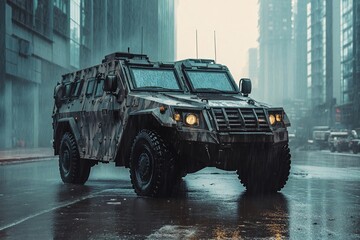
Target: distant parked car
<point>354,143</point>
<point>321,136</point>
<point>338,141</point>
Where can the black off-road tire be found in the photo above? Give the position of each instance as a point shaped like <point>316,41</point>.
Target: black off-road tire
<point>72,168</point>
<point>339,149</point>
<point>152,166</point>
<point>266,171</point>
<point>355,149</point>
<point>332,149</point>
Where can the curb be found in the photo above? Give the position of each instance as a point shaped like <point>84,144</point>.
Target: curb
<point>25,159</point>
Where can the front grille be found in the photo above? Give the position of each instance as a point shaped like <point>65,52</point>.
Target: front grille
<point>240,119</point>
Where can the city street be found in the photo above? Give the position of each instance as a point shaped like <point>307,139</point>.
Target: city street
<point>320,201</point>
<point>168,87</point>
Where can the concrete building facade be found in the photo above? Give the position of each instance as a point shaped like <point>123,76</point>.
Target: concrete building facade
<point>42,39</point>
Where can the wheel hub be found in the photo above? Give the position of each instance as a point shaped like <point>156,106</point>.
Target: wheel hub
<point>144,167</point>
<point>65,163</point>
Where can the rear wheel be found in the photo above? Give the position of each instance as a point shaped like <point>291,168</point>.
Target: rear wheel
<point>72,168</point>
<point>266,171</point>
<point>355,149</point>
<point>152,166</point>
<point>332,148</point>
<point>339,148</point>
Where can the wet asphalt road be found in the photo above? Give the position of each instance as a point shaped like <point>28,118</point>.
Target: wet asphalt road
<point>320,201</point>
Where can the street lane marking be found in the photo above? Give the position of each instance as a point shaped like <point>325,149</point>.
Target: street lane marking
<point>48,210</point>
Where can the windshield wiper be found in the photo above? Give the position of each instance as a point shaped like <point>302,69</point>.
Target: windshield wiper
<point>154,87</point>
<point>208,89</point>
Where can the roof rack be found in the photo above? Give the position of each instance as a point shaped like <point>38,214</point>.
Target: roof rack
<point>124,56</point>
<point>200,63</point>
<point>208,61</point>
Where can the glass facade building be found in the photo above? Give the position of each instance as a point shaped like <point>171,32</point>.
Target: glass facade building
<point>350,63</point>
<point>300,38</point>
<point>276,51</point>
<point>316,52</point>
<point>42,39</point>
<point>347,53</point>
<point>253,71</point>
<point>323,58</point>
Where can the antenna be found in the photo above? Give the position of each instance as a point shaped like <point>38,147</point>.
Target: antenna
<point>215,43</point>
<point>142,39</point>
<point>197,53</point>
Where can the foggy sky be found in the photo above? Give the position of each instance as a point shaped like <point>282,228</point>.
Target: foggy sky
<point>235,23</point>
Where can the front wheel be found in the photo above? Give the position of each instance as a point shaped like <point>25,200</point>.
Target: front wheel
<point>152,166</point>
<point>266,171</point>
<point>72,168</point>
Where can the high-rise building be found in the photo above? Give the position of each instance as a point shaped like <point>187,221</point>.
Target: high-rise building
<point>276,75</point>
<point>140,26</point>
<point>42,39</point>
<point>323,58</point>
<point>300,40</point>
<point>349,107</point>
<point>147,32</point>
<point>253,72</point>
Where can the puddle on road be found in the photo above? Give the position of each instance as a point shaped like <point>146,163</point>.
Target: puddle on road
<point>174,232</point>
<point>305,171</point>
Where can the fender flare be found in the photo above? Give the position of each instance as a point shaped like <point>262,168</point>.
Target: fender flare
<point>66,125</point>
<point>135,122</point>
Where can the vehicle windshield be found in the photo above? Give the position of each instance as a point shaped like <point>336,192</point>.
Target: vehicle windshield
<point>155,79</point>
<point>210,81</point>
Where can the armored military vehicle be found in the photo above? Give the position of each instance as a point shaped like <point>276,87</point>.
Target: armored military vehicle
<point>165,120</point>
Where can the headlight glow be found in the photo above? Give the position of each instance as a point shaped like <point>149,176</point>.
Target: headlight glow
<point>177,117</point>
<point>278,117</point>
<point>272,119</point>
<point>191,119</point>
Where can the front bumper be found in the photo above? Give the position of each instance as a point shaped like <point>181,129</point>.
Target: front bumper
<point>199,149</point>
<point>203,136</point>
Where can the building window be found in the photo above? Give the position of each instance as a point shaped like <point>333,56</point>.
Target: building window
<point>41,10</point>
<point>32,13</point>
<point>61,23</point>
<point>75,33</point>
<point>85,23</point>
<point>22,11</point>
<point>61,5</point>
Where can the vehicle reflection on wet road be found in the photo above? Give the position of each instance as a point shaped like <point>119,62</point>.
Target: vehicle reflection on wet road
<point>320,201</point>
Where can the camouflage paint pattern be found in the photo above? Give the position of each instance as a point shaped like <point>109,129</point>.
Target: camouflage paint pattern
<point>107,124</point>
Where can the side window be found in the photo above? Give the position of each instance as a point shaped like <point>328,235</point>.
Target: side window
<point>99,88</point>
<point>90,87</point>
<point>76,90</point>
<point>67,92</point>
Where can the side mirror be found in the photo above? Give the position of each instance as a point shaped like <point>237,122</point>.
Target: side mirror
<point>110,84</point>
<point>59,93</point>
<point>245,86</point>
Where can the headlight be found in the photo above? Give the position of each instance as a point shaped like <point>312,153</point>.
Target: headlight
<point>278,117</point>
<point>272,119</point>
<point>177,117</point>
<point>188,118</point>
<point>191,119</point>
